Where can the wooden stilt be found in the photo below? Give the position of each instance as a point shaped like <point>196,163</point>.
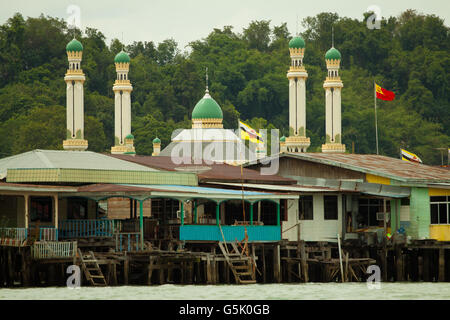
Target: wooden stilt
<point>304,265</point>
<point>399,263</point>
<point>115,274</point>
<point>125,270</point>
<point>426,264</point>
<point>10,268</point>
<point>150,269</point>
<point>208,270</point>
<point>264,263</point>
<point>441,265</point>
<point>276,263</point>
<point>420,265</point>
<point>161,274</point>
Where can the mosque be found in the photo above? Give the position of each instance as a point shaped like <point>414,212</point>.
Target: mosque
<point>207,139</point>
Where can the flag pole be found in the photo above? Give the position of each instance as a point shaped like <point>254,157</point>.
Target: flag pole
<point>375,103</point>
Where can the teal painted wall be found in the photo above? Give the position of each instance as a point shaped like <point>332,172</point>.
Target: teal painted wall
<point>419,227</point>
<point>231,233</point>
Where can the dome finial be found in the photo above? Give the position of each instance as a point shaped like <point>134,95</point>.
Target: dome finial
<point>206,73</point>
<point>332,36</point>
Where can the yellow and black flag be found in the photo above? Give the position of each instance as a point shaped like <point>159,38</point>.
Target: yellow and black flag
<point>409,156</point>
<point>248,133</point>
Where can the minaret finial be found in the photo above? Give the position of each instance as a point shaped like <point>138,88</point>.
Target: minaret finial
<point>207,80</point>
<point>297,25</point>
<point>332,36</point>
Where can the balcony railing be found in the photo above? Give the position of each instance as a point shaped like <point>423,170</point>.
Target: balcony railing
<point>48,234</point>
<point>18,234</point>
<point>54,249</point>
<point>73,229</point>
<point>128,241</point>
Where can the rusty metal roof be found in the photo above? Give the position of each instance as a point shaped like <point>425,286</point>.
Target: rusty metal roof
<point>393,168</point>
<point>214,172</point>
<point>5,186</point>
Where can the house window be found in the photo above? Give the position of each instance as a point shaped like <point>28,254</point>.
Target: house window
<point>330,204</point>
<point>404,202</point>
<point>41,209</point>
<point>367,212</point>
<point>165,209</point>
<point>305,208</point>
<point>77,208</point>
<point>440,210</point>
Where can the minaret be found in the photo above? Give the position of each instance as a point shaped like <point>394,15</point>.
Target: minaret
<point>283,144</point>
<point>332,86</point>
<point>297,75</point>
<point>122,88</point>
<point>156,146</point>
<point>75,102</point>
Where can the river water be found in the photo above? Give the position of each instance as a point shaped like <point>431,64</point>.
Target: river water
<point>309,291</point>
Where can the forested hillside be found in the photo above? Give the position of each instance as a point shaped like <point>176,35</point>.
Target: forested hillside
<point>409,55</point>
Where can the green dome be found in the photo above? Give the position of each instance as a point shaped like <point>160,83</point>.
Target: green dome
<point>130,136</point>
<point>333,53</point>
<point>122,57</point>
<point>297,42</point>
<point>207,108</point>
<point>156,140</point>
<point>283,139</point>
<point>74,45</point>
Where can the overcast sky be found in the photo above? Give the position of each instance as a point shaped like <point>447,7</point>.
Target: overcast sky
<point>188,20</point>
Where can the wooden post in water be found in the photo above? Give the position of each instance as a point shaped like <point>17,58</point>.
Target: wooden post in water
<point>441,264</point>
<point>304,263</point>
<point>426,264</point>
<point>125,270</point>
<point>399,263</point>
<point>208,269</point>
<point>340,257</point>
<point>276,263</point>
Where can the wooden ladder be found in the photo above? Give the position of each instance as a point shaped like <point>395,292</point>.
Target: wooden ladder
<point>91,269</point>
<point>240,265</point>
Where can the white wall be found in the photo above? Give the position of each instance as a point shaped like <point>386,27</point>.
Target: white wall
<point>317,229</point>
<point>291,233</point>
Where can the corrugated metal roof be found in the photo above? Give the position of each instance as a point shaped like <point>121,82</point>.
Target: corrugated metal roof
<point>5,186</point>
<point>99,191</point>
<point>384,166</point>
<point>288,188</point>
<point>218,171</point>
<point>61,159</point>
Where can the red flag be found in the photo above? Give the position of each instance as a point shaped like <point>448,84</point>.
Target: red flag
<point>384,94</point>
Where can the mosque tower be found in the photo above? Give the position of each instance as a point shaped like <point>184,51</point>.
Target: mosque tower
<point>123,139</point>
<point>297,75</point>
<point>75,102</point>
<point>332,86</point>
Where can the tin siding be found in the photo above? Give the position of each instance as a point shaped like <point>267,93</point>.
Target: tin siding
<point>420,220</point>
